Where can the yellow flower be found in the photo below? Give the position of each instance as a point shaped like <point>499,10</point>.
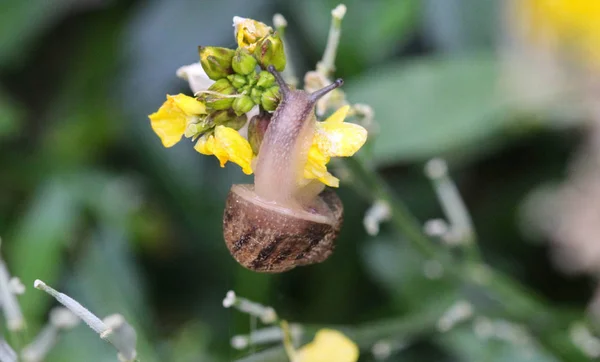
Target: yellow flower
<point>571,23</point>
<point>227,145</point>
<point>328,346</point>
<point>248,32</point>
<point>333,138</point>
<point>172,118</point>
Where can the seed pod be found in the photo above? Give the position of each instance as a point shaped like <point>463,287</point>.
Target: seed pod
<point>280,223</point>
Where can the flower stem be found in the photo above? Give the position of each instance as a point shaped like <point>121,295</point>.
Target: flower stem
<point>405,328</point>
<point>515,300</point>
<point>288,73</point>
<point>327,65</point>
<point>461,227</point>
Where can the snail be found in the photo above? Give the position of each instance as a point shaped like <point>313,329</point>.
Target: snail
<point>279,222</point>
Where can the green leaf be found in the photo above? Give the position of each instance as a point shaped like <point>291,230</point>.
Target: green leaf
<point>191,343</point>
<point>10,116</point>
<point>371,30</point>
<point>432,106</point>
<point>106,281</point>
<point>81,344</point>
<point>407,276</point>
<point>22,22</point>
<point>35,247</point>
<point>499,346</point>
<point>457,26</point>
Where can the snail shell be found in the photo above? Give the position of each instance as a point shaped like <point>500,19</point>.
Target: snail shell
<point>265,237</point>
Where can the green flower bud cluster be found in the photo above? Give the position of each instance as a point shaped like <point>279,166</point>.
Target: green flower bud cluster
<point>230,98</point>
<point>241,82</point>
<point>254,89</point>
<point>219,63</point>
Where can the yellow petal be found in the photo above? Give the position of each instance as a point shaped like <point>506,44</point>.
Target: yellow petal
<point>316,168</point>
<point>329,346</point>
<point>333,138</point>
<point>189,105</point>
<point>569,26</point>
<point>338,139</point>
<point>237,147</point>
<point>248,32</point>
<point>208,145</point>
<point>227,145</point>
<point>169,122</point>
<point>205,145</point>
<point>339,115</point>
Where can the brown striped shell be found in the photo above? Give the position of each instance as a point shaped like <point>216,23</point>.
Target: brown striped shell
<point>266,238</point>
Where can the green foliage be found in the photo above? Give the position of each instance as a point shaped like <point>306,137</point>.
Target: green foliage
<point>467,346</point>
<point>365,42</point>
<point>11,116</point>
<point>37,245</point>
<point>433,106</point>
<point>24,22</point>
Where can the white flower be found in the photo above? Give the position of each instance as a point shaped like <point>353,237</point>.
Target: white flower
<point>196,76</point>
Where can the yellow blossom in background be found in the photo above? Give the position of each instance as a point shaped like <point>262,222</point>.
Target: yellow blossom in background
<point>227,145</point>
<point>248,32</point>
<point>172,118</point>
<point>328,346</point>
<point>571,25</point>
<point>333,138</point>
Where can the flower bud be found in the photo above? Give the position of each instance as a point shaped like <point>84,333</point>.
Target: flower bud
<point>216,61</point>
<point>194,129</point>
<point>237,122</point>
<point>217,101</point>
<point>270,98</point>
<point>227,118</point>
<point>220,117</point>
<point>238,81</point>
<point>255,95</point>
<point>248,32</point>
<point>243,62</point>
<point>252,78</point>
<point>265,79</point>
<point>269,51</point>
<point>242,104</point>
<point>256,130</point>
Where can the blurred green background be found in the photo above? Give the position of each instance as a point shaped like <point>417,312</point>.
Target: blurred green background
<point>92,204</point>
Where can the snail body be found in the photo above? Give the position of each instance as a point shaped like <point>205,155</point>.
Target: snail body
<point>283,220</point>
<point>266,237</point>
